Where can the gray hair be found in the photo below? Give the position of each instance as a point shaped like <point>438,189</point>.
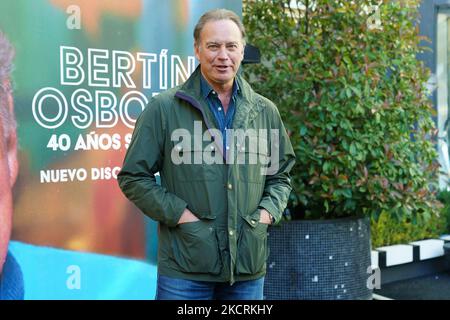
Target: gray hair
<point>215,15</point>
<point>6,58</point>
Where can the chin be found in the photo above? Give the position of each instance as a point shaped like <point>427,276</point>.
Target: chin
<point>224,80</point>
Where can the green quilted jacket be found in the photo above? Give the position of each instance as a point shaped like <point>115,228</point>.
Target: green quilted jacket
<point>173,132</point>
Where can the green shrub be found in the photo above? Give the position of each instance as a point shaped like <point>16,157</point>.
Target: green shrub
<point>444,197</point>
<point>387,231</point>
<point>354,102</point>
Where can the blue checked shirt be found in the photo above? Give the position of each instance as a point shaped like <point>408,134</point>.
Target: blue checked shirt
<point>223,120</point>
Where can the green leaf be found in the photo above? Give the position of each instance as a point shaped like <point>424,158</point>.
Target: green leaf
<point>353,148</point>
<point>356,91</point>
<point>303,130</point>
<point>347,193</point>
<point>348,92</point>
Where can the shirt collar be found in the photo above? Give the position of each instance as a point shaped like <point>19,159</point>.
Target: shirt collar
<point>11,280</point>
<point>206,88</point>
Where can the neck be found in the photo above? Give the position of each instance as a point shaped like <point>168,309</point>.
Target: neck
<point>224,89</point>
<point>224,93</point>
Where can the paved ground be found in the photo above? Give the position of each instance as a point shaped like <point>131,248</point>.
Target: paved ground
<point>435,287</point>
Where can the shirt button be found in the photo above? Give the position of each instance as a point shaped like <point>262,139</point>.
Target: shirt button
<point>219,108</point>
<point>228,148</point>
<point>253,221</point>
<point>231,232</point>
<point>230,186</point>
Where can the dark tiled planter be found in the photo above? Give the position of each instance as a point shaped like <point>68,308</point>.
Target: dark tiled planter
<point>319,260</point>
<point>447,255</point>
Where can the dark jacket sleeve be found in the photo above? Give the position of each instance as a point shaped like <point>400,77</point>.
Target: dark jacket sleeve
<point>143,159</point>
<point>278,182</point>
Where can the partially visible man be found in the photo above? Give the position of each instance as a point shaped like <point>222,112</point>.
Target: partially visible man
<point>221,187</point>
<point>11,280</point>
<point>35,272</point>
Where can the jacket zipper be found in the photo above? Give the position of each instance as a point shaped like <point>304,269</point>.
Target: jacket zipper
<point>195,104</point>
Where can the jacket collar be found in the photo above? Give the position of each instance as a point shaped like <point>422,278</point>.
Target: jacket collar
<point>206,88</point>
<point>246,108</point>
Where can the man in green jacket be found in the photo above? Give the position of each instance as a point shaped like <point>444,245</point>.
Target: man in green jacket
<point>224,159</point>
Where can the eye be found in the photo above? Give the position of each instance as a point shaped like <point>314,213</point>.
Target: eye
<point>213,46</point>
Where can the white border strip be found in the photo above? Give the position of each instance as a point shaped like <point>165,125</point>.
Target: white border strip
<point>397,254</point>
<point>379,297</point>
<point>442,96</point>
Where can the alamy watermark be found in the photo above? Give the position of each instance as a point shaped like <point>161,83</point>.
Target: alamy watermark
<point>250,146</point>
<point>374,280</point>
<point>73,281</point>
<point>374,20</point>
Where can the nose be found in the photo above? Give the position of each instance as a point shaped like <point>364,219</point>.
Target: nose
<point>222,54</point>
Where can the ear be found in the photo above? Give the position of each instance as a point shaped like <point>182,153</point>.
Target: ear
<point>11,145</point>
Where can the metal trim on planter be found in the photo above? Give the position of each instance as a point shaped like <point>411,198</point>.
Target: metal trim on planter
<point>319,260</point>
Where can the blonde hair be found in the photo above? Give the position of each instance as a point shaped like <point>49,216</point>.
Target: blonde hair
<point>215,15</point>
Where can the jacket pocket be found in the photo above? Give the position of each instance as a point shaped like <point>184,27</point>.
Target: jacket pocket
<point>195,248</point>
<point>253,160</point>
<point>189,163</point>
<point>252,247</point>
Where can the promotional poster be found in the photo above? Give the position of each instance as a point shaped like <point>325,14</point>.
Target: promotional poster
<point>82,73</point>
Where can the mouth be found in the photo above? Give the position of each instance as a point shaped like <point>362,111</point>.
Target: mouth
<point>221,67</point>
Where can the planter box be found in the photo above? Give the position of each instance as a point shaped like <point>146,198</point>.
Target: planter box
<point>409,261</point>
<point>319,260</point>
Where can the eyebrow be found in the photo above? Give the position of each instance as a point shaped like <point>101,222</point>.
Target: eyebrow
<point>217,42</point>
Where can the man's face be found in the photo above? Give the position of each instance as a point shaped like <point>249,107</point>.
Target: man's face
<point>8,173</point>
<point>220,51</point>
